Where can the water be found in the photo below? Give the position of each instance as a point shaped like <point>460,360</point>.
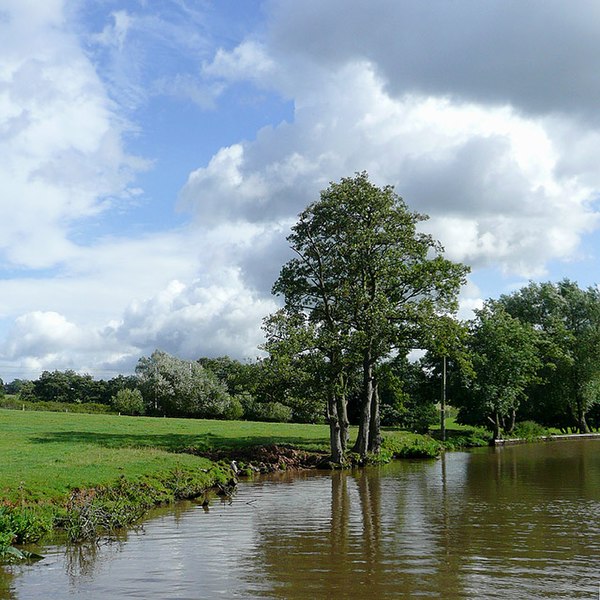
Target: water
<point>518,522</point>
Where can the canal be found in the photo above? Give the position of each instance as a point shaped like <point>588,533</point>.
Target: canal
<point>514,522</point>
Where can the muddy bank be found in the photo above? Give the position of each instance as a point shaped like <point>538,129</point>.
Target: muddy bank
<point>267,459</point>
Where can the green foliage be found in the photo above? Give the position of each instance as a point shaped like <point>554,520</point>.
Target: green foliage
<point>505,359</point>
<point>175,387</point>
<point>568,321</point>
<point>22,526</point>
<point>407,397</point>
<point>470,438</point>
<point>238,377</point>
<point>365,281</point>
<point>530,431</point>
<point>16,403</point>
<point>415,446</point>
<point>128,402</point>
<point>68,386</point>
<point>233,409</point>
<point>264,411</point>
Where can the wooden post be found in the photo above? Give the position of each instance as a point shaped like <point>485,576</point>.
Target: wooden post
<point>443,402</point>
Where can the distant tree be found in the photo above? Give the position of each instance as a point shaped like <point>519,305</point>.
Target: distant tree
<point>14,387</point>
<point>299,372</point>
<point>118,383</point>
<point>239,377</point>
<point>568,321</point>
<point>2,389</point>
<point>27,391</point>
<point>505,361</point>
<point>128,402</point>
<point>176,387</point>
<point>69,386</point>
<point>407,397</point>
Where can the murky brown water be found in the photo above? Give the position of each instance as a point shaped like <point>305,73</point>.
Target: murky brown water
<point>520,522</point>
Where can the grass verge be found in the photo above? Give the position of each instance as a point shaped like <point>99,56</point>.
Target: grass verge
<point>90,473</point>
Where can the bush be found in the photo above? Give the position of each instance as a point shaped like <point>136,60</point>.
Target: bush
<point>420,446</point>
<point>233,409</point>
<point>274,412</point>
<point>529,430</point>
<point>128,402</point>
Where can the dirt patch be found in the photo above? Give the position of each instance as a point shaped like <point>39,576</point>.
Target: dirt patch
<point>268,459</point>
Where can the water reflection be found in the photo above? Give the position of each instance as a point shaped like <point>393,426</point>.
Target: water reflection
<point>519,522</point>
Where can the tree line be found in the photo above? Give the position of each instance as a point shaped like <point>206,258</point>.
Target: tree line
<point>365,287</point>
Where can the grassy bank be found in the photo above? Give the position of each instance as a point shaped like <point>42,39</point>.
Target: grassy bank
<point>95,472</point>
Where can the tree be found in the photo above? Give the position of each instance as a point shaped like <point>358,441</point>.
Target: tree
<point>368,283</point>
<point>407,398</point>
<point>128,402</point>
<point>69,386</point>
<point>568,319</point>
<point>505,360</point>
<point>176,387</point>
<point>446,345</point>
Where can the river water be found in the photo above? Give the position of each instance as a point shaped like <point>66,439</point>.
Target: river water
<point>517,522</point>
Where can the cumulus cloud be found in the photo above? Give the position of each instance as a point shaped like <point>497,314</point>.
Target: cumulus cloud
<point>63,158</point>
<point>539,56</point>
<point>491,179</point>
<point>198,319</point>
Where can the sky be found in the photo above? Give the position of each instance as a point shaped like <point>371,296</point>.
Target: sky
<point>155,153</point>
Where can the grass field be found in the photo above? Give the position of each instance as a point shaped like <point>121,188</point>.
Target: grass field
<point>46,454</point>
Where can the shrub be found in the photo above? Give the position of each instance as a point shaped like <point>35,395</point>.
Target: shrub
<point>233,409</point>
<point>529,430</point>
<point>128,402</point>
<point>420,446</point>
<point>16,403</point>
<point>264,411</point>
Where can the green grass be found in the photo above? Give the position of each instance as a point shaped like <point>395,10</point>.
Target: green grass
<point>462,436</point>
<point>46,454</point>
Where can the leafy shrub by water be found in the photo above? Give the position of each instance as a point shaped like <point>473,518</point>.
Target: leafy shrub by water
<point>21,526</point>
<point>529,430</point>
<point>411,447</point>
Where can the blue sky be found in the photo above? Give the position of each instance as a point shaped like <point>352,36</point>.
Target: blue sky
<point>155,154</point>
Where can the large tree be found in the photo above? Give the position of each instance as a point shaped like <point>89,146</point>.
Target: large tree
<point>369,283</point>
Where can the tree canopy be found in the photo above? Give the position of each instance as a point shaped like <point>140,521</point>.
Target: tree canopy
<point>365,282</point>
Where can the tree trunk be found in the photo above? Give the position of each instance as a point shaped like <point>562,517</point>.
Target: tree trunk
<point>362,441</point>
<point>335,442</point>
<point>342,411</point>
<point>375,422</point>
<point>496,425</point>
<point>582,425</point>
<point>513,421</point>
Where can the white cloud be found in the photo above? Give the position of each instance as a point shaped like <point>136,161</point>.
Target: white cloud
<point>488,177</point>
<point>60,139</point>
<point>198,319</point>
<point>248,61</point>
